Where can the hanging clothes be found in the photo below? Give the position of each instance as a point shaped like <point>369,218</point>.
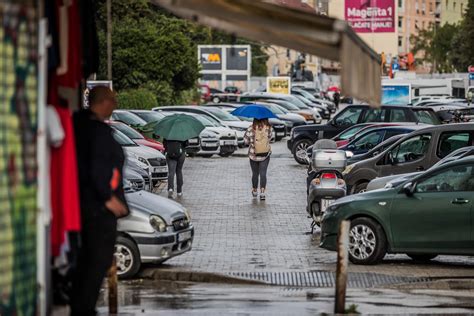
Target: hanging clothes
<point>64,187</point>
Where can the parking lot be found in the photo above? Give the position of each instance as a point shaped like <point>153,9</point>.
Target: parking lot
<point>235,232</point>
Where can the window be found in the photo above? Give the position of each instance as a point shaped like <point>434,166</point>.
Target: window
<point>462,8</point>
<point>449,142</point>
<point>427,117</point>
<point>369,140</point>
<point>417,8</point>
<point>400,41</point>
<point>374,115</point>
<point>400,22</point>
<point>398,115</point>
<point>411,149</point>
<point>349,116</point>
<point>447,3</point>
<point>400,3</point>
<point>423,25</point>
<point>454,179</point>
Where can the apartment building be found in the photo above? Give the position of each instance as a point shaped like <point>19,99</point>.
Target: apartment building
<point>452,11</point>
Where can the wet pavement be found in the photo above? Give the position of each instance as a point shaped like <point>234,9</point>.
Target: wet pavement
<point>177,298</point>
<point>237,234</point>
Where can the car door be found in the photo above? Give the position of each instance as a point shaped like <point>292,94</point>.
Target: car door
<point>437,217</point>
<point>411,155</point>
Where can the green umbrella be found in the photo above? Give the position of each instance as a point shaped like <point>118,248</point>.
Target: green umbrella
<point>178,127</point>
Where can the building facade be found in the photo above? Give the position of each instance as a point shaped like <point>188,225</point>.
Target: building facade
<point>452,11</point>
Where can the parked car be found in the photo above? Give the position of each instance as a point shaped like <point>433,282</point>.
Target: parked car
<point>217,117</point>
<point>278,125</point>
<point>365,129</point>
<point>343,137</point>
<point>311,117</point>
<point>423,217</point>
<point>128,118</point>
<point>376,150</point>
<point>298,90</point>
<point>155,160</point>
<point>136,136</point>
<point>304,136</point>
<point>232,89</point>
<point>320,108</point>
<point>365,141</point>
<point>416,151</point>
<point>137,177</point>
<point>394,180</point>
<point>157,229</point>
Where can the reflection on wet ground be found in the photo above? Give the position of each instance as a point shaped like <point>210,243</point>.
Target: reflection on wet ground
<point>146,297</point>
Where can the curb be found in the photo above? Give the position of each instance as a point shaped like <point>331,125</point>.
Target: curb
<point>194,276</point>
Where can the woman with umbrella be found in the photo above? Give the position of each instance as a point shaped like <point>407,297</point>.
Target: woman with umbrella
<point>258,137</point>
<point>175,131</point>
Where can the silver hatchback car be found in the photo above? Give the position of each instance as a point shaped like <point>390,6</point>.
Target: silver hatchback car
<point>156,230</point>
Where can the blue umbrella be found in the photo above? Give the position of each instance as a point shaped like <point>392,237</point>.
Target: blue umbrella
<point>254,111</point>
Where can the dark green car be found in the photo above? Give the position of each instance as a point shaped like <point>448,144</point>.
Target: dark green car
<point>429,215</point>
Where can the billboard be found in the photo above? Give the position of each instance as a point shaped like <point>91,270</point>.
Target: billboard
<point>211,58</point>
<point>370,16</point>
<point>279,85</point>
<point>396,94</point>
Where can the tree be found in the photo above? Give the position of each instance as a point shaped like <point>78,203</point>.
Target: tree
<point>463,41</point>
<point>141,99</point>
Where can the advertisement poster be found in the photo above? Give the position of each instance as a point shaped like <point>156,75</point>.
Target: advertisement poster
<point>279,85</point>
<point>91,84</point>
<point>370,16</point>
<point>396,94</point>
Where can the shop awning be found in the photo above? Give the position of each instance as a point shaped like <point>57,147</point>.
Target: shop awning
<point>299,30</point>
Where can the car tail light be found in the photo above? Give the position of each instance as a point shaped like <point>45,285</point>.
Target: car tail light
<point>329,176</point>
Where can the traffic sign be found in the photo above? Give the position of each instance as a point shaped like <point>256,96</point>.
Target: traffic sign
<point>471,76</point>
<point>470,69</point>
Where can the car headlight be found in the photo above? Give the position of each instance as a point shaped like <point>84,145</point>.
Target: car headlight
<point>158,223</point>
<point>348,169</point>
<point>187,214</point>
<point>238,129</point>
<point>127,184</point>
<point>143,160</point>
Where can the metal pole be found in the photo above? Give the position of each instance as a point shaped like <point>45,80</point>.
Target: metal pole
<point>112,285</point>
<point>341,270</point>
<point>109,39</point>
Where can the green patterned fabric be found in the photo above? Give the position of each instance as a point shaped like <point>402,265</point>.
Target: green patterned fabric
<point>18,122</point>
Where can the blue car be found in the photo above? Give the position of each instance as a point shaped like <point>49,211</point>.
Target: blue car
<point>371,138</point>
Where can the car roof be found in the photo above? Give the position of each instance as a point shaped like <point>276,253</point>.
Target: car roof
<point>140,111</point>
<point>467,159</point>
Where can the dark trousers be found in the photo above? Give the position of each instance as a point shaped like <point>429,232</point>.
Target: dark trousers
<point>259,169</point>
<point>175,167</point>
<point>95,258</point>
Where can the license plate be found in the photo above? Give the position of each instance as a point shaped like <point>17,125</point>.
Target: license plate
<point>281,134</point>
<point>161,169</point>
<point>325,204</point>
<point>209,144</point>
<point>184,236</point>
<point>193,141</point>
<point>228,142</point>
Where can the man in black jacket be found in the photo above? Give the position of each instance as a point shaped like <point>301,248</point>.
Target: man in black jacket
<point>100,161</point>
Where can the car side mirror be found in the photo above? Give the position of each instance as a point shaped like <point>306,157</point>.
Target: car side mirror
<point>409,188</point>
<point>375,153</point>
<point>349,154</point>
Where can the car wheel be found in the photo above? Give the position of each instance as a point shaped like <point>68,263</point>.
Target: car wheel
<point>360,188</point>
<point>226,154</point>
<point>216,100</point>
<point>127,257</point>
<point>299,152</point>
<point>367,241</point>
<point>421,256</point>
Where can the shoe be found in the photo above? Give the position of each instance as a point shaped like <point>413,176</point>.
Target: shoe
<point>180,194</point>
<point>170,193</point>
<point>262,196</point>
<point>254,194</point>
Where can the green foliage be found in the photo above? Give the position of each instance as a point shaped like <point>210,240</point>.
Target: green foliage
<point>141,99</point>
<point>450,47</point>
<point>352,309</point>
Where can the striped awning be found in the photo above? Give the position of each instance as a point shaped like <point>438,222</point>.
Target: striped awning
<point>295,29</point>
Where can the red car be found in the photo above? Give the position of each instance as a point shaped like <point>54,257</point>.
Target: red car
<point>136,136</point>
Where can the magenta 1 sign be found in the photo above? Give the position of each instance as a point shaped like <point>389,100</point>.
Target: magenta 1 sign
<point>370,16</point>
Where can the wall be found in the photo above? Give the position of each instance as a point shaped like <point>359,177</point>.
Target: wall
<point>18,119</point>
<point>380,42</point>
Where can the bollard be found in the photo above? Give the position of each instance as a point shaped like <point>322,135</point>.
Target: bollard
<point>341,270</point>
<point>112,284</point>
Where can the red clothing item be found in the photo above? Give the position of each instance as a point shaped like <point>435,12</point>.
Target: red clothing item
<point>64,186</point>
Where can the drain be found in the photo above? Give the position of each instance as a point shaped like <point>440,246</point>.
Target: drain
<point>325,279</point>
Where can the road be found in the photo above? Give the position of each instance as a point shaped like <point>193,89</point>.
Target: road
<point>239,236</point>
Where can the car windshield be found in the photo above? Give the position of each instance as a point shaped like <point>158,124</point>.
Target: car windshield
<point>286,105</point>
<point>128,118</point>
<point>206,121</point>
<point>128,131</point>
<point>150,116</point>
<point>123,139</point>
<point>276,109</point>
<point>222,115</point>
<point>348,133</point>
<point>427,117</point>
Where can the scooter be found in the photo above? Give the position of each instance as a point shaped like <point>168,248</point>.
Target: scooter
<point>325,182</point>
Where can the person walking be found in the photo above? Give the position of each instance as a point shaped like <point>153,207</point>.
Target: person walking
<point>100,160</point>
<point>258,137</point>
<point>175,156</point>
<point>337,99</point>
